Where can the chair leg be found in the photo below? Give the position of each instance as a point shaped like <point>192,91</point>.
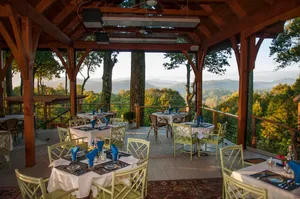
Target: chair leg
<point>191,152</point>
<point>167,131</point>
<point>217,147</point>
<point>149,132</point>
<point>171,131</point>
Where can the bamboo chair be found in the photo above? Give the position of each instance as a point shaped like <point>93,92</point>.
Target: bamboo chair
<point>183,135</point>
<point>232,159</point>
<point>139,149</point>
<point>116,121</point>
<point>65,135</point>
<point>119,190</point>
<point>235,189</point>
<point>77,122</point>
<point>59,150</point>
<point>117,137</point>
<point>5,141</point>
<point>215,138</point>
<point>157,123</point>
<point>31,187</point>
<point>11,125</point>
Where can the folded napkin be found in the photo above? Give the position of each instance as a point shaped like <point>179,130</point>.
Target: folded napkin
<point>199,120</point>
<point>94,111</point>
<point>170,110</point>
<point>100,145</point>
<point>296,168</point>
<point>91,156</point>
<point>101,110</point>
<point>114,152</point>
<point>74,152</point>
<point>93,143</point>
<point>106,121</point>
<point>93,123</point>
<point>176,109</point>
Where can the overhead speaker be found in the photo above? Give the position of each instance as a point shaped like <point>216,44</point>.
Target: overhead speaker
<point>92,18</point>
<point>102,38</point>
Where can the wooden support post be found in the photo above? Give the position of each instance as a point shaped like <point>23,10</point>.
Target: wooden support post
<point>2,107</point>
<point>253,132</point>
<point>199,79</point>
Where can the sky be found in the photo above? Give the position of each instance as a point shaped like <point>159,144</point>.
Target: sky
<point>264,71</point>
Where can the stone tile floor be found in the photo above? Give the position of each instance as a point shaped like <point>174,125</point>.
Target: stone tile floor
<point>162,165</point>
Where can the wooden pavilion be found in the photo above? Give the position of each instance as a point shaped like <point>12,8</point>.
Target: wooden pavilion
<point>203,25</point>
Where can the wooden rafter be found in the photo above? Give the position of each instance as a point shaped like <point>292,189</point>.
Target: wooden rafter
<point>44,5</point>
<point>216,19</point>
<point>72,6</point>
<point>204,30</point>
<point>3,12</point>
<point>78,33</point>
<point>196,39</point>
<point>237,9</point>
<point>236,50</point>
<point>197,1</point>
<point>280,11</point>
<point>270,1</point>
<point>26,9</point>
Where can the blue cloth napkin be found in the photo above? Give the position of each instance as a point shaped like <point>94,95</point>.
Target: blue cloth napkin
<point>296,168</point>
<point>74,152</point>
<point>101,110</point>
<point>114,152</point>
<point>91,156</point>
<point>93,143</point>
<point>100,145</point>
<point>176,109</point>
<point>199,120</point>
<point>93,123</point>
<point>170,110</point>
<point>94,111</point>
<point>106,121</point>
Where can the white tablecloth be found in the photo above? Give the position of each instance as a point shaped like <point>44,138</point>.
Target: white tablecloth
<point>201,131</point>
<point>273,191</point>
<point>91,135</point>
<point>6,117</point>
<point>62,180</point>
<point>91,116</point>
<point>170,117</point>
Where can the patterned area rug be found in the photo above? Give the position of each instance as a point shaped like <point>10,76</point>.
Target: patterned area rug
<point>9,192</point>
<point>185,189</point>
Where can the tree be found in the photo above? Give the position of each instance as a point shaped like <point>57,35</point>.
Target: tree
<point>109,61</point>
<point>214,62</point>
<point>89,66</point>
<point>286,46</point>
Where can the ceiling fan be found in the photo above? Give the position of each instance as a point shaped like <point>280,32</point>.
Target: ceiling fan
<point>151,3</point>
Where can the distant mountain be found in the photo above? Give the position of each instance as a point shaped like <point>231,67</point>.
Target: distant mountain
<point>95,84</point>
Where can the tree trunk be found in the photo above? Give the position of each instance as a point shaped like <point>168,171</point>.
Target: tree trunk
<point>83,84</point>
<point>9,87</point>
<point>106,81</point>
<point>187,88</point>
<point>137,82</point>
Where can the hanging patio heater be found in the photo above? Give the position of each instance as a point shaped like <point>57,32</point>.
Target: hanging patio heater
<point>92,18</point>
<point>102,38</point>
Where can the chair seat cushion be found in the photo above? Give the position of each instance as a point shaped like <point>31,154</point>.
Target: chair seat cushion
<point>59,194</point>
<point>132,195</point>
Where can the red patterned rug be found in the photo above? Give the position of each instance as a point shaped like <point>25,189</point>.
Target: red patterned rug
<point>185,189</point>
<point>9,192</point>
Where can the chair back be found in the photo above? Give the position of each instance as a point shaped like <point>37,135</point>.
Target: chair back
<point>187,118</point>
<point>31,187</point>
<point>232,158</point>
<point>59,150</point>
<point>235,189</point>
<point>77,122</point>
<point>222,129</point>
<point>11,124</point>
<point>182,133</point>
<point>136,181</point>
<point>64,134</point>
<point>139,148</point>
<point>5,142</point>
<point>116,121</point>
<point>117,136</point>
<point>153,120</point>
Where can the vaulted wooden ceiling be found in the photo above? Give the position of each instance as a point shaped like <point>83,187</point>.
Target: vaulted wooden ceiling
<point>61,20</point>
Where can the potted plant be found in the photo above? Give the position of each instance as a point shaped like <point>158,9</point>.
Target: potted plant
<point>130,117</point>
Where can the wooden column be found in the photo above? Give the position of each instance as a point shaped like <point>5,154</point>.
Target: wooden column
<point>199,84</point>
<point>23,43</point>
<point>2,107</point>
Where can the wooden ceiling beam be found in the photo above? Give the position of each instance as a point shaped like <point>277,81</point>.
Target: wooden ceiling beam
<point>204,30</point>
<point>169,12</point>
<point>3,12</point>
<point>82,45</point>
<point>44,5</point>
<point>26,9</point>
<point>62,15</point>
<point>196,1</point>
<point>237,9</point>
<point>78,33</point>
<point>216,19</point>
<point>270,2</point>
<point>264,17</point>
<point>194,37</point>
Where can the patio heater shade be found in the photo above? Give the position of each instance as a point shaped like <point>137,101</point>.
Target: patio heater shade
<point>102,38</point>
<point>138,21</point>
<point>92,18</point>
<point>143,40</point>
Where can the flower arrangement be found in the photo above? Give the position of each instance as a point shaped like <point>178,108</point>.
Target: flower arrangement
<point>281,158</point>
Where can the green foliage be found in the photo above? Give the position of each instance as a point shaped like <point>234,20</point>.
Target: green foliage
<point>129,116</point>
<point>286,46</point>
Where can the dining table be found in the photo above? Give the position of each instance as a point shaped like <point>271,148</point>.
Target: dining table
<point>91,133</point>
<point>62,177</point>
<point>202,129</point>
<point>270,178</point>
<point>91,116</point>
<point>170,116</point>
